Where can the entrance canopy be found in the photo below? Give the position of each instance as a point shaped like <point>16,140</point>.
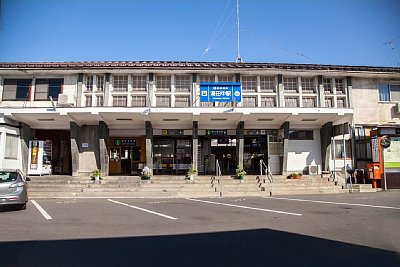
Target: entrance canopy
<point>178,118</point>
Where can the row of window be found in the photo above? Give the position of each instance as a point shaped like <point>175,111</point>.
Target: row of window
<point>184,101</point>
<point>19,89</point>
<point>183,83</point>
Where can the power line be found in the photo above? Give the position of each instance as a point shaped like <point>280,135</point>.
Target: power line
<point>390,43</point>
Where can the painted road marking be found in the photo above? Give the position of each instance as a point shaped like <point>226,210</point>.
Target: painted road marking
<point>42,211</point>
<point>245,207</point>
<point>335,203</point>
<point>145,210</point>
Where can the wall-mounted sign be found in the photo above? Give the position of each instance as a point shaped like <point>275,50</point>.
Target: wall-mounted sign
<point>260,132</point>
<point>85,145</point>
<point>171,132</point>
<point>220,92</point>
<point>375,149</point>
<point>216,132</point>
<point>125,142</point>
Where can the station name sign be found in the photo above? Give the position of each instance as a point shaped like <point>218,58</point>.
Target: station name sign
<point>216,132</point>
<point>172,132</point>
<point>220,92</point>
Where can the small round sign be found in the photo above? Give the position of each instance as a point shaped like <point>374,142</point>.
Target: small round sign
<point>385,141</point>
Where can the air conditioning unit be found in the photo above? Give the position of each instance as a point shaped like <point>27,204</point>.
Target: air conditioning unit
<point>66,100</point>
<point>312,169</point>
<point>397,107</point>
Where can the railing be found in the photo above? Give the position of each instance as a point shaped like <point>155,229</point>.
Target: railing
<point>265,168</point>
<point>218,174</point>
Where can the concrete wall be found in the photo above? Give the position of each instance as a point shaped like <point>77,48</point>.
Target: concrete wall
<point>303,152</point>
<point>367,108</point>
<point>9,129</point>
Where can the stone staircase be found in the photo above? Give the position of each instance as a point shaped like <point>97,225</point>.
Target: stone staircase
<point>159,186</point>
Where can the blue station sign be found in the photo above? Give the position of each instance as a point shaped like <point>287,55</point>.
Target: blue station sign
<point>220,92</point>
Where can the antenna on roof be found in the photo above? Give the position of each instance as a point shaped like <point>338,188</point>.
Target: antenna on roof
<point>238,59</point>
<point>390,43</point>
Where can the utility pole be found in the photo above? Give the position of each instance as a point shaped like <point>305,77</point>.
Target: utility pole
<point>238,59</point>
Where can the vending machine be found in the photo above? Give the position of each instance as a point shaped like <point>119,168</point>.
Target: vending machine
<point>39,160</point>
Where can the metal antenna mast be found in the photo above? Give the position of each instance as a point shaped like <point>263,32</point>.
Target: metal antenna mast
<point>238,59</point>
<point>394,50</point>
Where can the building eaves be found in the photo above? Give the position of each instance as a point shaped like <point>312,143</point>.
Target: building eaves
<point>186,65</point>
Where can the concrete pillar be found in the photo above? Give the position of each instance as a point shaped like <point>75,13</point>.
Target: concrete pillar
<point>79,93</point>
<point>326,134</point>
<point>349,93</point>
<point>284,158</point>
<point>321,93</point>
<point>74,132</point>
<point>104,147</point>
<point>107,94</point>
<point>281,96</point>
<point>195,142</point>
<point>26,134</point>
<point>149,145</point>
<point>240,144</point>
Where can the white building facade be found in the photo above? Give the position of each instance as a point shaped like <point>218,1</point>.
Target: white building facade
<point>121,116</point>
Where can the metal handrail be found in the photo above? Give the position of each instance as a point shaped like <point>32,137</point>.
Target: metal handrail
<point>268,174</point>
<point>218,174</point>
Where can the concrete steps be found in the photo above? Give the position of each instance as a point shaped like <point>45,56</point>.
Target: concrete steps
<point>61,186</point>
<point>364,188</point>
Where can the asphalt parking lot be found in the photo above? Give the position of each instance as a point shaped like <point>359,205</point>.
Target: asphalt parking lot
<point>314,230</point>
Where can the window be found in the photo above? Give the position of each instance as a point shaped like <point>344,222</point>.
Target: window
<point>249,101</point>
<point>48,87</point>
<point>119,101</point>
<point>163,101</point>
<point>290,84</point>
<point>291,102</point>
<point>182,101</point>
<point>339,84</point>
<point>339,151</point>
<point>89,83</point>
<point>100,82</point>
<point>88,101</point>
<point>389,92</point>
<point>99,101</point>
<point>301,135</point>
<point>225,78</point>
<point>341,102</point>
<point>267,84</point>
<point>307,85</point>
<point>327,84</point>
<point>163,83</point>
<point>268,101</point>
<point>11,146</point>
<point>182,83</point>
<point>139,82</point>
<point>16,89</point>
<point>120,83</point>
<point>249,83</point>
<point>138,101</point>
<point>309,102</point>
<point>329,102</point>
<point>207,78</point>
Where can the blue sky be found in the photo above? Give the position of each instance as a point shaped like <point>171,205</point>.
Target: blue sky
<point>342,32</point>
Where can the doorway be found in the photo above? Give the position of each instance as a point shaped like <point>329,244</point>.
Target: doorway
<point>224,150</point>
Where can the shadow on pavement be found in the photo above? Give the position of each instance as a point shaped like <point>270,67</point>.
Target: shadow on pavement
<point>260,247</point>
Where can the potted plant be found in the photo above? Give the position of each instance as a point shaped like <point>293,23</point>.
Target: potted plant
<point>146,173</point>
<point>191,173</point>
<point>295,175</point>
<point>96,175</point>
<point>240,173</point>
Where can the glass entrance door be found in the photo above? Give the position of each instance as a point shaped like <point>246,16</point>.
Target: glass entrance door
<point>224,150</point>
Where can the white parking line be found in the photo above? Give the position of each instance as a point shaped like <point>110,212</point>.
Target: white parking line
<point>42,211</point>
<point>245,207</point>
<point>335,203</point>
<point>145,210</point>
